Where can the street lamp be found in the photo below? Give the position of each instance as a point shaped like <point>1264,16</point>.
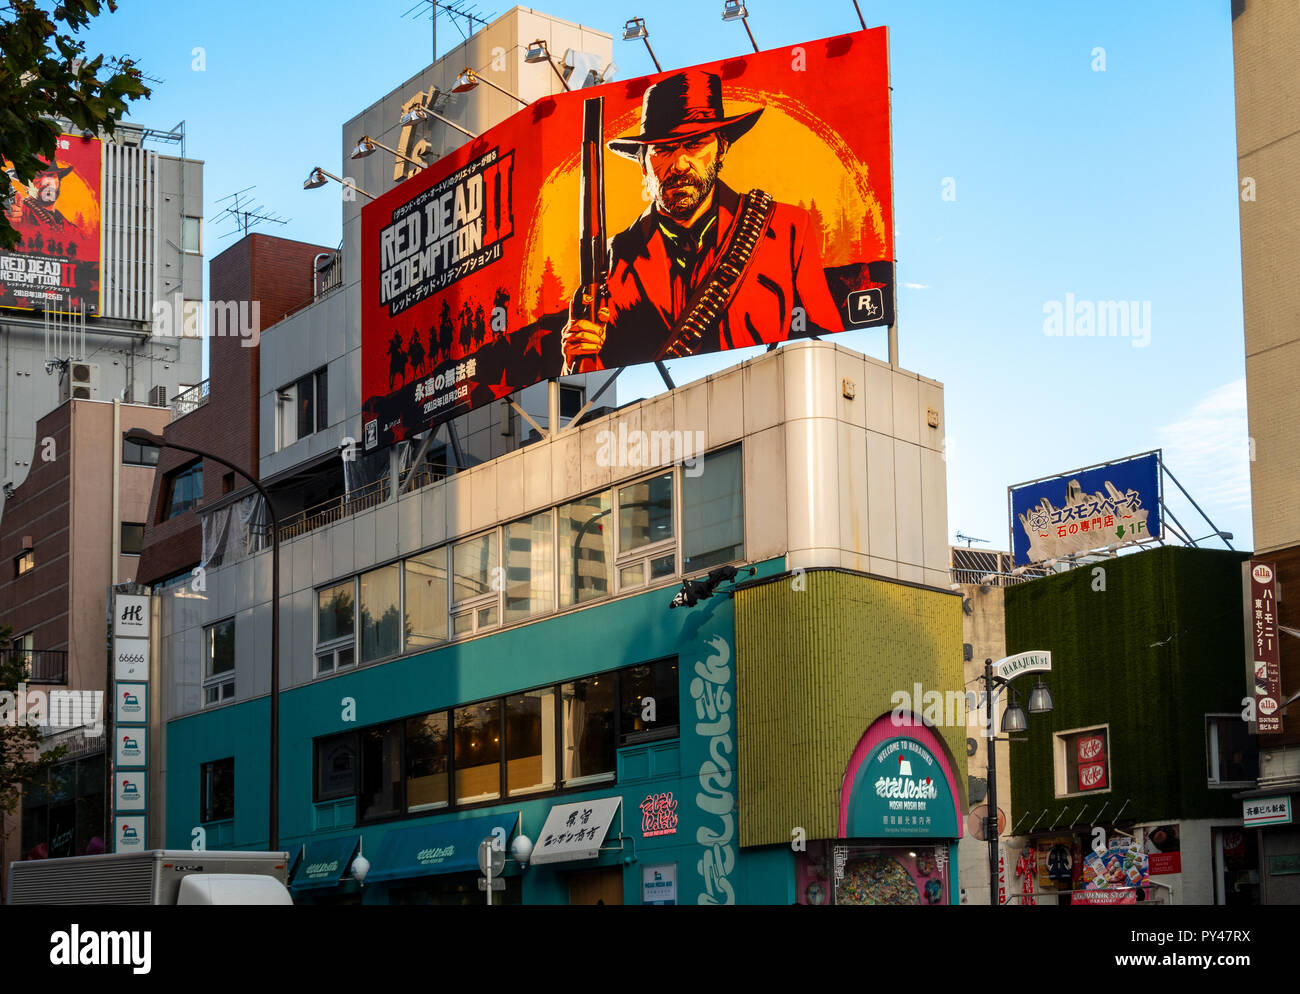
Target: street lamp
<point>538,52</point>
<point>468,79</point>
<point>998,676</point>
<point>429,114</point>
<point>367,145</point>
<point>142,437</point>
<point>318,177</point>
<point>634,29</point>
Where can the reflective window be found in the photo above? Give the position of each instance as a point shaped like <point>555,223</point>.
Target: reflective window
<point>530,567</point>
<point>648,699</point>
<point>221,647</point>
<point>478,752</point>
<point>183,489</point>
<point>645,513</point>
<point>336,767</point>
<point>381,772</point>
<point>586,550</point>
<point>380,628</point>
<point>426,599</point>
<point>334,612</point>
<point>530,741</point>
<point>713,512</point>
<point>428,755</point>
<point>473,566</point>
<point>588,739</point>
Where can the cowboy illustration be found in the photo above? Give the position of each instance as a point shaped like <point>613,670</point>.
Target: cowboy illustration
<point>704,268</point>
<point>39,208</point>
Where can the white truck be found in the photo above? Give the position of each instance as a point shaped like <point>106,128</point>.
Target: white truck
<point>159,876</point>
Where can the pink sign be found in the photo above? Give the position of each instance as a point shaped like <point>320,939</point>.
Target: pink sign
<point>659,815</point>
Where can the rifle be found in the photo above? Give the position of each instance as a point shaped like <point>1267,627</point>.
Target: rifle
<point>593,257</point>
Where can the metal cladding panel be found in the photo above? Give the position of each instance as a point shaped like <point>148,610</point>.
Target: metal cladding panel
<point>128,264</point>
<point>92,880</point>
<point>820,656</point>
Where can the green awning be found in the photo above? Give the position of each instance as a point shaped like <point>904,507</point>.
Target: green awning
<point>323,862</point>
<point>437,847</point>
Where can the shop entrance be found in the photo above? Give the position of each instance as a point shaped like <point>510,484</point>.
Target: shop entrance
<point>596,886</point>
<point>1236,866</point>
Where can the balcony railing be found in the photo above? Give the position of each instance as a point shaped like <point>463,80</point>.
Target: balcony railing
<point>46,666</point>
<point>189,400</point>
<point>311,518</point>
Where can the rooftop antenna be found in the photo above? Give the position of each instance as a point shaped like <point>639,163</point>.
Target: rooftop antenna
<point>461,13</point>
<point>118,63</point>
<point>969,539</point>
<point>245,213</point>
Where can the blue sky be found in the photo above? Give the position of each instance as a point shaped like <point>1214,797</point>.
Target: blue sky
<point>1107,185</point>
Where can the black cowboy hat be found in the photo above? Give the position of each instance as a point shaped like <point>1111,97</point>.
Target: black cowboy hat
<point>60,169</point>
<point>683,106</point>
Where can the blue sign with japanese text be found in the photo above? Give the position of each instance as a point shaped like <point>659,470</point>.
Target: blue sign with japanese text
<point>1110,505</point>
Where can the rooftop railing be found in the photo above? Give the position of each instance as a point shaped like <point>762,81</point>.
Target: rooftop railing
<point>189,400</point>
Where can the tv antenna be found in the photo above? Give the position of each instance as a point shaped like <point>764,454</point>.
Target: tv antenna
<point>461,13</point>
<point>245,213</point>
<point>968,539</point>
<point>118,63</point>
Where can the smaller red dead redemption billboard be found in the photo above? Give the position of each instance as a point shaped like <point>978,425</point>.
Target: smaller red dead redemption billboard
<point>733,204</point>
<point>55,265</point>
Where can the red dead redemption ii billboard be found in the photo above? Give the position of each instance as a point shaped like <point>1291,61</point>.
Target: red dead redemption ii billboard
<point>55,266</point>
<point>728,205</point>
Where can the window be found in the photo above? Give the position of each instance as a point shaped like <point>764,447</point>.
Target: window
<point>25,562</point>
<point>530,742</point>
<point>219,670</point>
<point>227,483</point>
<point>217,790</point>
<point>335,634</point>
<point>132,538</point>
<point>530,567</point>
<point>190,228</point>
<point>381,613</point>
<point>336,767</point>
<point>381,772</point>
<point>586,549</point>
<point>475,582</point>
<point>426,599</point>
<point>1082,762</point>
<point>477,752</point>
<point>1232,756</point>
<point>713,512</point>
<point>302,408</point>
<point>648,702</point>
<point>589,711</point>
<point>25,645</point>
<point>571,401</point>
<point>136,454</point>
<point>182,490</point>
<point>646,547</point>
<point>428,762</point>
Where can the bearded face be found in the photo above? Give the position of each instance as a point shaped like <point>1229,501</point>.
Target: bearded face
<point>47,187</point>
<point>680,176</point>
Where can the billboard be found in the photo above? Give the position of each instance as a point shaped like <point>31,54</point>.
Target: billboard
<point>731,204</point>
<point>1115,503</point>
<point>55,265</point>
<point>1265,656</point>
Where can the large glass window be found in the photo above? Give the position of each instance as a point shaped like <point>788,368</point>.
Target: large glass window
<point>335,631</point>
<point>713,512</point>
<point>381,772</point>
<point>137,454</point>
<point>183,489</point>
<point>217,790</point>
<point>428,762</point>
<point>478,752</point>
<point>380,614</point>
<point>530,567</point>
<point>589,716</point>
<point>336,767</point>
<point>530,742</point>
<point>645,513</point>
<point>648,701</point>
<point>219,667</point>
<point>1231,754</point>
<point>476,582</point>
<point>301,408</point>
<point>586,549</point>
<point>426,599</point>
<point>132,538</point>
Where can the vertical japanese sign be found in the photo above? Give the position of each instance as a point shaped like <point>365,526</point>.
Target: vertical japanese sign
<point>1263,640</point>
<point>130,753</point>
<point>55,266</point>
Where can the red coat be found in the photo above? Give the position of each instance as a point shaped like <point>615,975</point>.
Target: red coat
<point>786,272</point>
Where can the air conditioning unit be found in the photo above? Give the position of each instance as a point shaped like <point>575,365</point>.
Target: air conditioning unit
<point>158,396</point>
<point>79,381</point>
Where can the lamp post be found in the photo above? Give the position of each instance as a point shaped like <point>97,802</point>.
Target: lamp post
<point>468,79</point>
<point>997,676</point>
<point>367,145</point>
<point>634,29</point>
<point>317,178</point>
<point>148,438</point>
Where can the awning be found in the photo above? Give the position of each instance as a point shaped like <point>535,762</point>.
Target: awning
<point>322,863</point>
<point>440,847</point>
<point>575,831</point>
